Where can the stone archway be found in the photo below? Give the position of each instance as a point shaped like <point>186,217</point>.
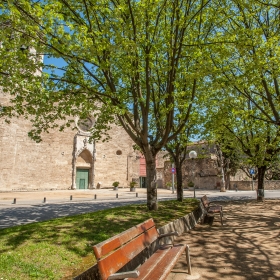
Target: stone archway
<point>84,169</point>
<point>83,161</point>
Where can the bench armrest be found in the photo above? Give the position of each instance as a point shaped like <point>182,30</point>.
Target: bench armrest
<point>123,275</point>
<point>169,234</point>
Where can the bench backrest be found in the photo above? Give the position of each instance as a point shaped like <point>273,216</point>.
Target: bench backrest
<point>205,201</point>
<point>115,252</point>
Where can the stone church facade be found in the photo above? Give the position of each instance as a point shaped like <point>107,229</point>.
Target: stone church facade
<point>63,160</point>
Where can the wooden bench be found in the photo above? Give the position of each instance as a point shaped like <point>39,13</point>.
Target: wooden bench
<point>212,209</point>
<point>115,253</point>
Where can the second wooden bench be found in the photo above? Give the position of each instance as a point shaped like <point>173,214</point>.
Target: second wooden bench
<point>212,209</point>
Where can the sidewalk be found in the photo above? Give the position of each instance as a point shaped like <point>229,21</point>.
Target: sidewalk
<point>65,196</point>
<point>246,248</point>
<point>7,199</point>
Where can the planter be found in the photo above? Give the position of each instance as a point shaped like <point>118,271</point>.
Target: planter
<point>116,188</point>
<point>132,189</point>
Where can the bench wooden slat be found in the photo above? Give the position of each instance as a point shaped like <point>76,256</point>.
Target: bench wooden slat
<point>109,245</point>
<point>159,268</point>
<point>214,209</point>
<point>151,263</point>
<point>117,259</point>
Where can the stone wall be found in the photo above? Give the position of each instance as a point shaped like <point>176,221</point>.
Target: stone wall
<point>201,171</point>
<point>26,165</point>
<point>112,166</point>
<point>248,185</point>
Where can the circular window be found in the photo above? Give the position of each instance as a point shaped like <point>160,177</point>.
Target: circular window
<point>119,152</point>
<point>85,124</point>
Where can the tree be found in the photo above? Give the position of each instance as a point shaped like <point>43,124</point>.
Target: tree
<point>227,158</point>
<point>273,172</point>
<point>249,60</point>
<point>258,142</point>
<point>138,61</point>
<point>177,150</point>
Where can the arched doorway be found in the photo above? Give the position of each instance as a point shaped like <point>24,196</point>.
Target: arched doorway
<point>83,163</point>
<point>83,170</point>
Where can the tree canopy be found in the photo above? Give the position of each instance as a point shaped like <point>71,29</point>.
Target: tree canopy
<point>249,60</point>
<point>145,64</point>
<point>140,61</point>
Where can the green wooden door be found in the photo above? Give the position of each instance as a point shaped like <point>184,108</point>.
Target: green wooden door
<point>82,178</point>
<point>143,182</point>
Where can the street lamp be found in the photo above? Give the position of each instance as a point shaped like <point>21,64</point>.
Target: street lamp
<point>192,155</point>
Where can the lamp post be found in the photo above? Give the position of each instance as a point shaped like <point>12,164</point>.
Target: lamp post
<point>192,155</point>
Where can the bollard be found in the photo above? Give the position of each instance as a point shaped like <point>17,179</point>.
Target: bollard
<point>44,200</point>
<point>117,195</point>
<point>15,201</point>
<point>136,194</point>
<point>95,196</point>
<point>71,197</point>
<point>188,259</point>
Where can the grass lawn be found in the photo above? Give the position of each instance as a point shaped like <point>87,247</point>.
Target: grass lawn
<point>62,248</point>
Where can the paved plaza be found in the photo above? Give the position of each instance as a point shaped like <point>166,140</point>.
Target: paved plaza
<point>247,247</point>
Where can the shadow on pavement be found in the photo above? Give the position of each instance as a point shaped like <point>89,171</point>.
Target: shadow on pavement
<point>246,248</point>
<point>10,217</point>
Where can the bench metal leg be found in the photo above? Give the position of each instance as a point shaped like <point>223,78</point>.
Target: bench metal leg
<point>221,214</point>
<point>188,259</point>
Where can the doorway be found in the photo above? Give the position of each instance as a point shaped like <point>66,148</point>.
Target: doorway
<point>82,176</point>
<point>143,182</point>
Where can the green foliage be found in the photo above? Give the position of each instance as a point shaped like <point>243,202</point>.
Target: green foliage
<point>116,184</point>
<point>131,59</point>
<point>191,184</point>
<point>132,184</point>
<point>137,63</point>
<point>248,63</point>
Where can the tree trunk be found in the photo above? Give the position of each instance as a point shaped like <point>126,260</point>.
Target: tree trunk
<point>223,186</point>
<point>151,181</point>
<point>227,179</point>
<point>260,190</point>
<point>179,177</point>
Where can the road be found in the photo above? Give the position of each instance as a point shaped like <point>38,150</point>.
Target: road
<point>30,207</point>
